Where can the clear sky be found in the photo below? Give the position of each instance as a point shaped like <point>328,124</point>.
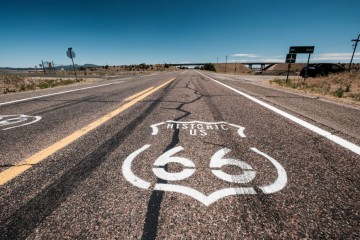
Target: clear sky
<point>138,31</point>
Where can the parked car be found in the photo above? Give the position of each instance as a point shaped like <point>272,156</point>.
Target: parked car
<point>321,69</point>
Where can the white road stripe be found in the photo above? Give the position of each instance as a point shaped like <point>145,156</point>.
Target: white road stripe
<point>58,93</point>
<point>338,140</point>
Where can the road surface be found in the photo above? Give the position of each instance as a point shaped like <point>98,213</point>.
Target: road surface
<point>181,155</point>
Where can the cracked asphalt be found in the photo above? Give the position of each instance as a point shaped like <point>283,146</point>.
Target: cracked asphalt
<point>189,159</point>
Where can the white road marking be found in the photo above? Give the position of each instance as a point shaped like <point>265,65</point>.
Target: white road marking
<point>16,119</point>
<point>338,140</point>
<point>206,200</point>
<point>166,158</point>
<point>281,180</point>
<point>58,93</point>
<point>202,126</point>
<point>217,161</point>
<point>163,174</point>
<point>127,172</point>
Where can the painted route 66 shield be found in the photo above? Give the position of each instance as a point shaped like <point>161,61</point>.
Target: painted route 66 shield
<point>228,175</point>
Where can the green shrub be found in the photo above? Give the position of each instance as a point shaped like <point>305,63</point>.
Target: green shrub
<point>43,85</point>
<point>339,92</point>
<point>348,87</point>
<point>209,67</point>
<point>22,87</point>
<point>30,87</point>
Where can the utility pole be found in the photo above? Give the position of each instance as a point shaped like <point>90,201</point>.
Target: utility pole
<point>43,67</point>
<point>235,66</point>
<point>225,63</point>
<point>355,45</point>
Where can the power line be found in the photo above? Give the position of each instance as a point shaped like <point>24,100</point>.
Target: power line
<point>226,63</point>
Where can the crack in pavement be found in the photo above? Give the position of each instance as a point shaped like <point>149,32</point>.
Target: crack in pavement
<point>22,222</point>
<point>154,205</point>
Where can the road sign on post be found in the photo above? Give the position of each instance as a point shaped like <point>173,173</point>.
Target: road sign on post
<point>71,54</point>
<point>303,49</point>
<point>290,58</point>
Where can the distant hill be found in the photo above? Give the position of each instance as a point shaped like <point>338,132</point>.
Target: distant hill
<point>89,65</point>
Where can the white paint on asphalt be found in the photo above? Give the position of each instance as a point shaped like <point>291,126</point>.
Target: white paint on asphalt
<point>206,200</point>
<point>217,161</point>
<point>163,174</point>
<point>166,158</point>
<point>58,93</point>
<point>15,120</point>
<point>281,180</point>
<point>127,172</point>
<point>198,127</point>
<point>338,140</point>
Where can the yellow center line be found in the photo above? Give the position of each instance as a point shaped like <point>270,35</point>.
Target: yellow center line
<point>24,165</point>
<point>137,94</point>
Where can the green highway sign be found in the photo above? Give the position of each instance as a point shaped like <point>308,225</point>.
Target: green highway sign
<point>301,49</point>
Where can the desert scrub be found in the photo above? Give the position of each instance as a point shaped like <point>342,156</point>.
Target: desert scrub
<point>9,90</point>
<point>58,82</point>
<point>290,83</point>
<point>44,84</point>
<point>355,97</point>
<point>12,84</point>
<point>342,85</point>
<point>339,92</point>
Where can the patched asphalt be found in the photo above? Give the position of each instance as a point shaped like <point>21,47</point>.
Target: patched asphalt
<point>278,180</point>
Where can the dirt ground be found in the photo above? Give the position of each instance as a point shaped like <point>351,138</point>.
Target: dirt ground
<point>231,68</point>
<point>18,81</point>
<point>343,87</point>
<point>22,82</point>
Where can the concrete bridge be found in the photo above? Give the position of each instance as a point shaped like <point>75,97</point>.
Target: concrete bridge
<point>250,65</point>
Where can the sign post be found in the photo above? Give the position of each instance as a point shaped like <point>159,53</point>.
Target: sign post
<point>290,58</point>
<point>42,65</point>
<point>303,49</point>
<point>71,54</point>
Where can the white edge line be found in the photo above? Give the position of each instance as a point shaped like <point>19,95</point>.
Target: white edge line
<point>338,140</point>
<point>58,93</point>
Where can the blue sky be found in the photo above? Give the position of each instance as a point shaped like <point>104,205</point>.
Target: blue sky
<point>158,31</point>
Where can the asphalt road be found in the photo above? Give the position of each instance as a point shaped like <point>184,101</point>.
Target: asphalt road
<point>182,155</point>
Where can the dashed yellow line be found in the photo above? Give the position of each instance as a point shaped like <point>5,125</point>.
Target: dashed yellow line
<point>24,165</point>
<point>137,94</point>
